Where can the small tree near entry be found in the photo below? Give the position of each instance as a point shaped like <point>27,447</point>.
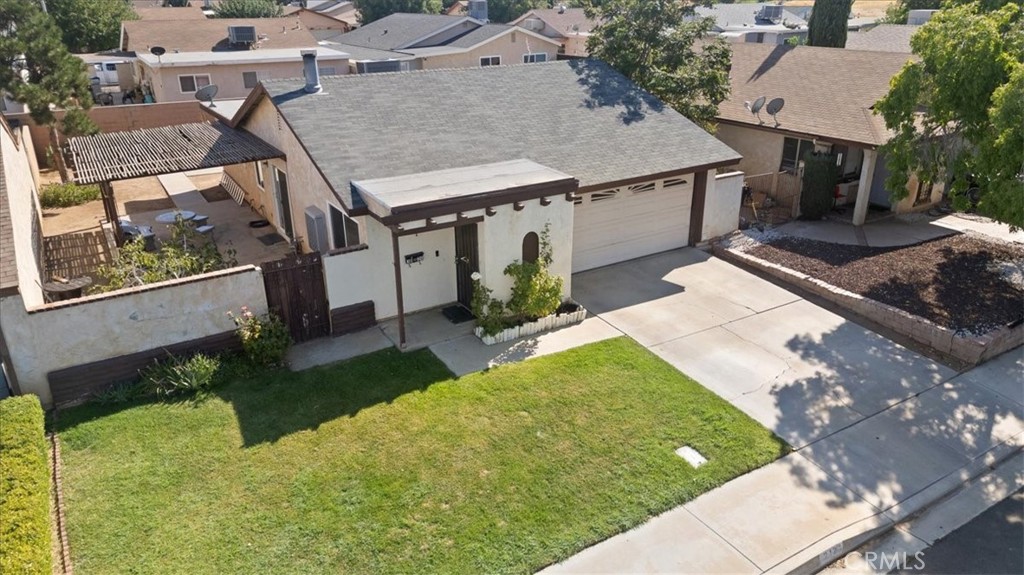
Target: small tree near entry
<point>820,178</point>
<point>827,26</point>
<point>248,9</point>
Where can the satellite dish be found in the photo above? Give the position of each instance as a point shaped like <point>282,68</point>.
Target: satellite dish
<point>206,93</point>
<point>774,107</point>
<point>755,107</point>
<point>157,51</point>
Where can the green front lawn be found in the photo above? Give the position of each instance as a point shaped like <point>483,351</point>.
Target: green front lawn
<point>388,464</point>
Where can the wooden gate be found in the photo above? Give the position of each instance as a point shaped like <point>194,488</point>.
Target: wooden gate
<point>295,292</point>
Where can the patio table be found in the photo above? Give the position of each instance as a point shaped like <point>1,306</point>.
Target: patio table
<point>171,217</point>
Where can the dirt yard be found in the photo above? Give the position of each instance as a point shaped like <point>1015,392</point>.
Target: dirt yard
<point>133,196</point>
<point>961,282</point>
<point>861,8</point>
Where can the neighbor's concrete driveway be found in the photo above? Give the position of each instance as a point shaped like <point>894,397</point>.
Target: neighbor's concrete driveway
<point>798,369</point>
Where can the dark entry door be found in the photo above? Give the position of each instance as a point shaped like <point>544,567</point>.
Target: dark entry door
<point>296,294</point>
<point>466,262</point>
<point>285,205</point>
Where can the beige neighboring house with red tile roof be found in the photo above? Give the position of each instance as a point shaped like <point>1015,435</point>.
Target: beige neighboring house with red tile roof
<point>569,26</point>
<point>829,95</point>
<point>201,52</point>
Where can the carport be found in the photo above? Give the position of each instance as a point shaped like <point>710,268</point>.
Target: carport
<point>110,157</point>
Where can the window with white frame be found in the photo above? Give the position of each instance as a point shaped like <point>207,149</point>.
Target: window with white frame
<point>344,230</point>
<point>192,82</point>
<point>534,58</point>
<point>490,61</point>
<point>794,150</point>
<point>250,79</point>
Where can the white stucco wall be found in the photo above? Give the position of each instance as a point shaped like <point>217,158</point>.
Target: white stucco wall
<point>501,241</point>
<point>104,326</point>
<point>25,215</point>
<point>722,205</point>
<point>761,149</point>
<point>227,77</point>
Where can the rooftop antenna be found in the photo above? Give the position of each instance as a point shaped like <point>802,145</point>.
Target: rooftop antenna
<point>755,108</point>
<point>774,107</point>
<point>207,93</point>
<point>157,51</point>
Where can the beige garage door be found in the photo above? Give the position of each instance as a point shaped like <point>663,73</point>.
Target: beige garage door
<point>632,221</point>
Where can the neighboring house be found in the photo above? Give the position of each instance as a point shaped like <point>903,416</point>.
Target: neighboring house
<point>234,54</point>
<point>460,8</point>
<point>171,13</point>
<point>341,10</point>
<point>883,38</point>
<point>760,23</point>
<point>410,183</point>
<point>402,42</point>
<point>570,27</point>
<point>829,96</point>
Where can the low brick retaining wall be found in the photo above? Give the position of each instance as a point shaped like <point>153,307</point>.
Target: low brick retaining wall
<point>967,348</point>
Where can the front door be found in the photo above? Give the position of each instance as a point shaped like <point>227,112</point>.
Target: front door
<point>466,262</point>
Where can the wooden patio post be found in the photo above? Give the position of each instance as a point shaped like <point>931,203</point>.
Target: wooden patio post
<point>110,209</point>
<point>398,289</point>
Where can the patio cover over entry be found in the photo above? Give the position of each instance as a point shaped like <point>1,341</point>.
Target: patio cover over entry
<point>110,157</point>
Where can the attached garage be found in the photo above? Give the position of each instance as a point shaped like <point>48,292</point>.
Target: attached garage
<point>631,221</point>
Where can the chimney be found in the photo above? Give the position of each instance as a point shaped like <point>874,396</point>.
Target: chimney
<point>478,10</point>
<point>310,71</point>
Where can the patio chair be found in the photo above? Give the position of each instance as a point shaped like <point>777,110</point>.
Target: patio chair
<point>206,230</point>
<point>200,220</point>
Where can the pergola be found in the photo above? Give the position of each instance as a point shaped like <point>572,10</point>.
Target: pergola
<point>110,157</point>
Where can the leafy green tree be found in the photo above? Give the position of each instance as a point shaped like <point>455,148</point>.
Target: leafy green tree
<point>37,70</point>
<point>957,112</point>
<point>508,10</point>
<point>662,46</point>
<point>90,25</point>
<point>898,11</point>
<point>371,10</point>
<point>827,26</point>
<point>248,9</point>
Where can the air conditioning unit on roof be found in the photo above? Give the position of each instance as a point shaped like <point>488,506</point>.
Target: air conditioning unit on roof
<point>242,34</point>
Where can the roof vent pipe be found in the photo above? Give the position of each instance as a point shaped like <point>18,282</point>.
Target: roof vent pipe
<point>310,71</point>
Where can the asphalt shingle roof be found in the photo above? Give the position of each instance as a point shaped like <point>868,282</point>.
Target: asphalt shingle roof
<point>485,32</point>
<point>883,38</point>
<point>357,53</point>
<point>398,30</point>
<point>579,117</point>
<point>829,92</point>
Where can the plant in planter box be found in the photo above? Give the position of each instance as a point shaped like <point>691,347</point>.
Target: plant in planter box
<point>490,312</point>
<point>535,292</point>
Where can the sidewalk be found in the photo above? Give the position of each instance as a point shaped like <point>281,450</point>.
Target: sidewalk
<point>899,230</point>
<point>811,507</point>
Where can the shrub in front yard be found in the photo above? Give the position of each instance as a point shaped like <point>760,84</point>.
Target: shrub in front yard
<point>179,375</point>
<point>24,488</point>
<point>265,339</point>
<point>67,195</point>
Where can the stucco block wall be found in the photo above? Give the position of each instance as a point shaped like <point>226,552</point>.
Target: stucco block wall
<point>26,223</point>
<point>722,205</point>
<point>105,326</point>
<point>761,150</point>
<point>228,78</point>
<point>501,241</point>
<point>511,52</point>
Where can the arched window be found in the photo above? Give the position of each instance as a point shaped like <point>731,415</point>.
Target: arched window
<point>531,247</point>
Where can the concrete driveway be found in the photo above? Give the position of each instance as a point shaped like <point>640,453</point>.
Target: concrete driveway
<point>798,369</point>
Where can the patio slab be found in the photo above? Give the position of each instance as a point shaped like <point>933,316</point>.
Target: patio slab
<point>674,542</point>
<point>425,328</point>
<point>777,511</point>
<point>329,350</point>
<point>467,354</point>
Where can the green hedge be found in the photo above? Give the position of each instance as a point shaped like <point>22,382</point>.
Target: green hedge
<point>67,195</point>
<point>24,488</point>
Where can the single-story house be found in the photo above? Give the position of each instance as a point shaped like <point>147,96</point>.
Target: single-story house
<point>234,54</point>
<point>759,23</point>
<point>828,97</point>
<point>570,27</point>
<point>883,38</point>
<point>410,183</point>
<point>403,42</point>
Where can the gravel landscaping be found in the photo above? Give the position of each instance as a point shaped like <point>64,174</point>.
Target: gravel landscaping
<point>962,282</point>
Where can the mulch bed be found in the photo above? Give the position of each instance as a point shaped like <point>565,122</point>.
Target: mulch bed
<point>947,281</point>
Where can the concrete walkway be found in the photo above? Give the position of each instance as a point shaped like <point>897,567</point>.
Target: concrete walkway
<point>899,230</point>
<point>879,431</point>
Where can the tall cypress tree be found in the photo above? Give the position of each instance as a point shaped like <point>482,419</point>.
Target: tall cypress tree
<point>827,26</point>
